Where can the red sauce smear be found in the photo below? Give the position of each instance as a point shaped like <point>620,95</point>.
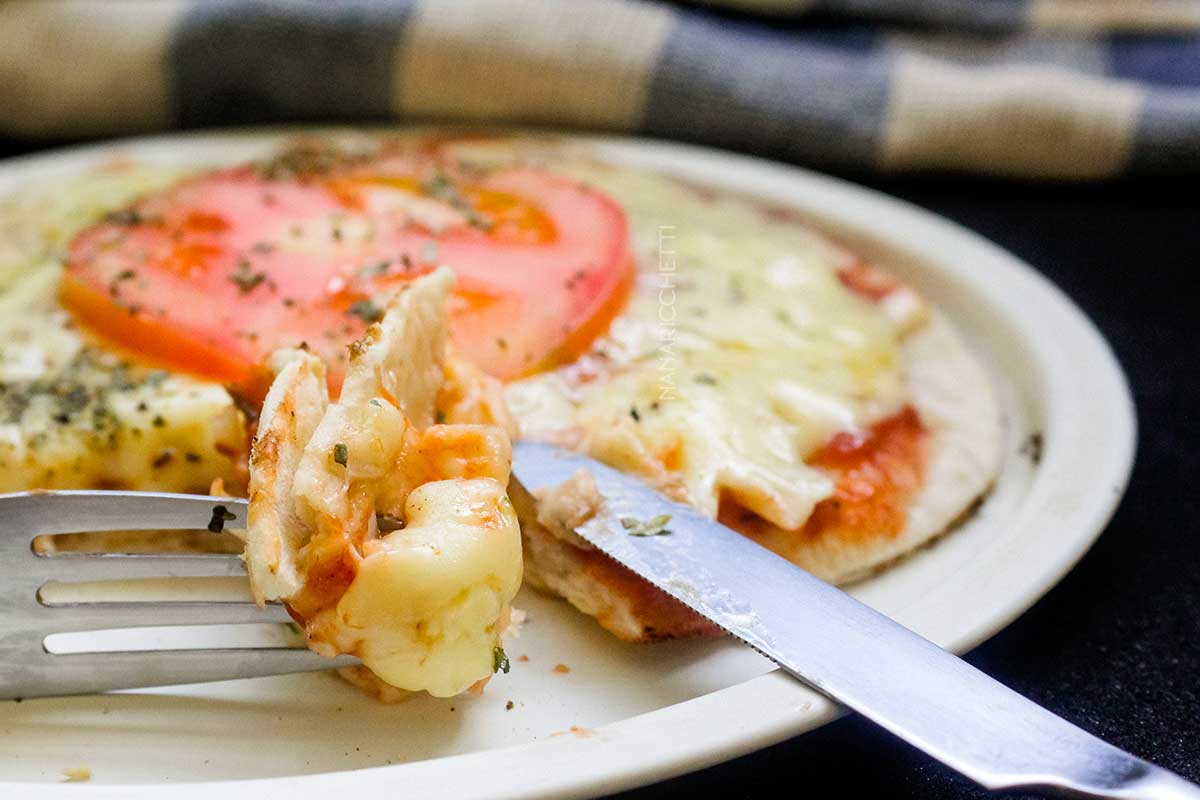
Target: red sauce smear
<point>876,473</point>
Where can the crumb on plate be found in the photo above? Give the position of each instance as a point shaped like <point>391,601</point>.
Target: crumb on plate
<point>77,775</point>
<point>575,730</point>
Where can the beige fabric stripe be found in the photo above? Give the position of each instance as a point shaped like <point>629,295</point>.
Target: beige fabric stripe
<point>1025,119</point>
<point>1084,54</point>
<point>1115,15</point>
<point>74,68</point>
<point>583,62</point>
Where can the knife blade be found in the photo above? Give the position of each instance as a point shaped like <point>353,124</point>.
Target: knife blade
<point>835,644</point>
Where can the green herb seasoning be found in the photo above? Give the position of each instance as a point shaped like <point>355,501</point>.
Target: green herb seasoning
<point>341,454</point>
<point>114,286</point>
<point>308,160</point>
<point>365,310</point>
<point>737,291</point>
<point>500,661</point>
<point>442,188</point>
<point>373,270</point>
<point>245,278</point>
<point>125,216</point>
<point>655,526</point>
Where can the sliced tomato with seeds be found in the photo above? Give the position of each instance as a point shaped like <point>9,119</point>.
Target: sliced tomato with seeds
<point>214,274</point>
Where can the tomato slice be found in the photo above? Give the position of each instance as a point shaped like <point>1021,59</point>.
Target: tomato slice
<point>214,274</point>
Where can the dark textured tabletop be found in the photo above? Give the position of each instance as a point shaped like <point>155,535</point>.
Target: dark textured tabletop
<point>1115,647</point>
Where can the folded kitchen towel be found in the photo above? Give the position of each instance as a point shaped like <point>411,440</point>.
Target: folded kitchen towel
<point>1045,88</point>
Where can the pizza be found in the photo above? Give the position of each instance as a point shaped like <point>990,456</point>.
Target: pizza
<point>723,348</point>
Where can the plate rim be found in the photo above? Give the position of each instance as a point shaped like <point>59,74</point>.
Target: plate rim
<point>771,707</point>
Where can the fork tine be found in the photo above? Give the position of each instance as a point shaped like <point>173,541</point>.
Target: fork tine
<point>28,670</point>
<point>79,567</point>
<point>36,513</point>
<point>86,673</point>
<point>65,617</point>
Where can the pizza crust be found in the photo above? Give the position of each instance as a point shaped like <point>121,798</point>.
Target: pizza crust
<point>557,562</point>
<point>958,405</point>
<point>957,402</point>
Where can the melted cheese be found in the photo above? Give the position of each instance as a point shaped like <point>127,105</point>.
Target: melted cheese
<point>36,224</point>
<point>74,416</point>
<point>423,607</point>
<point>429,602</point>
<point>740,354</point>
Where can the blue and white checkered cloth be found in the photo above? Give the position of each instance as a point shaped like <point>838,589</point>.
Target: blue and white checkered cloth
<point>1048,88</point>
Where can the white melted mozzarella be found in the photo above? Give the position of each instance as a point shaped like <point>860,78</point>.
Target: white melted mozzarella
<point>73,416</point>
<point>740,354</point>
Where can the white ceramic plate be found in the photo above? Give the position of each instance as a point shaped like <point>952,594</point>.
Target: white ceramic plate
<point>627,715</point>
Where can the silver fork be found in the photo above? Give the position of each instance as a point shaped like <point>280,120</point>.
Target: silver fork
<point>28,669</point>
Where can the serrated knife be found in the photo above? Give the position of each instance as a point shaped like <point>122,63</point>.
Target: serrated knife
<point>834,644</point>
